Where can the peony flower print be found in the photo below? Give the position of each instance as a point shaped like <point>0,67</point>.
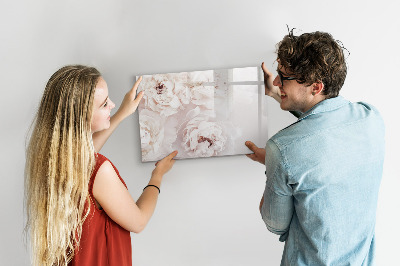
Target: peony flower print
<point>203,96</point>
<point>156,134</point>
<point>203,136</point>
<point>199,113</point>
<point>162,96</point>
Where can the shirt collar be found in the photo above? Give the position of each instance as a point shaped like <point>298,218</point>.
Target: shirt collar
<point>325,106</point>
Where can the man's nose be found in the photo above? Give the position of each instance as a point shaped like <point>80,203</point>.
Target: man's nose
<point>277,81</point>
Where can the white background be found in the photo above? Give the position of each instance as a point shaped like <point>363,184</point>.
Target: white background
<point>208,208</point>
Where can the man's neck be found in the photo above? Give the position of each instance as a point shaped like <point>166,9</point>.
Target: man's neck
<point>316,100</point>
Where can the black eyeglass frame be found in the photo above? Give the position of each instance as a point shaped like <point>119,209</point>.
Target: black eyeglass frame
<point>282,78</point>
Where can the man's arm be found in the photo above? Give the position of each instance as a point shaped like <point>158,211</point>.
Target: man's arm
<point>276,206</point>
<point>270,89</point>
<point>276,211</point>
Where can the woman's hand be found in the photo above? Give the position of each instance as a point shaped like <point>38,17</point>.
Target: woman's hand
<point>270,89</point>
<point>128,106</point>
<point>131,101</point>
<point>164,165</point>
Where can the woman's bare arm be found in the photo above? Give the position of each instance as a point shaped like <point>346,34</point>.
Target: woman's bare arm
<point>114,198</point>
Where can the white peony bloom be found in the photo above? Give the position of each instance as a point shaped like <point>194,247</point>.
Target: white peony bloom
<point>157,135</point>
<point>182,92</point>
<point>165,93</point>
<point>202,137</point>
<point>203,95</point>
<point>181,88</point>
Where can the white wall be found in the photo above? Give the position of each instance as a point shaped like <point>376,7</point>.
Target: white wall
<point>208,208</point>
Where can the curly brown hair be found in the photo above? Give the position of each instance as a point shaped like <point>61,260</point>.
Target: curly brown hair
<point>314,57</point>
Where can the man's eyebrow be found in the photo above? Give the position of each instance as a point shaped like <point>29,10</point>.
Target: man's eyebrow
<point>283,74</point>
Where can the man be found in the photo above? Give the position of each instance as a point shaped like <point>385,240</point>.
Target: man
<point>323,171</point>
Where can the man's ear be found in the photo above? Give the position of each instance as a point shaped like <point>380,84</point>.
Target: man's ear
<point>317,88</point>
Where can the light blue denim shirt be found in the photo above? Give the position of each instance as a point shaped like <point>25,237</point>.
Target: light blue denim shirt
<point>323,176</point>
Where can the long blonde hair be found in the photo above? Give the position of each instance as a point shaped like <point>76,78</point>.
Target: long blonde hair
<point>59,161</point>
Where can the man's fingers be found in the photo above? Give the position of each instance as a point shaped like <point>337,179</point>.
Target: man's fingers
<point>251,156</point>
<point>263,66</point>
<point>251,146</point>
<point>265,70</point>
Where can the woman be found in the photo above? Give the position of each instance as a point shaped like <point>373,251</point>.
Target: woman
<point>78,207</point>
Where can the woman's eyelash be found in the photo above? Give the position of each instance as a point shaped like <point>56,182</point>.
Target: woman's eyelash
<point>105,104</point>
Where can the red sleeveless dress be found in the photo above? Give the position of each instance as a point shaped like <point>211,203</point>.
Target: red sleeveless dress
<point>103,241</point>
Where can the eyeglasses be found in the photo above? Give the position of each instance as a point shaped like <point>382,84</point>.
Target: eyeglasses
<point>282,78</point>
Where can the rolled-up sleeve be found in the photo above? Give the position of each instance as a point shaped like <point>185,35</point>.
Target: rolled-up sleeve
<point>277,209</point>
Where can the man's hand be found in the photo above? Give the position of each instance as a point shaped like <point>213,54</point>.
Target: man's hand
<point>270,89</point>
<point>259,153</point>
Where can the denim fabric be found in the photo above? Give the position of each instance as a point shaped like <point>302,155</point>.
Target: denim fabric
<point>323,176</point>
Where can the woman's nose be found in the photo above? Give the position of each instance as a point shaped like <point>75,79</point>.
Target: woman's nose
<point>112,105</point>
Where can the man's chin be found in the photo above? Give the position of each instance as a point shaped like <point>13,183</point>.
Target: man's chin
<point>285,108</point>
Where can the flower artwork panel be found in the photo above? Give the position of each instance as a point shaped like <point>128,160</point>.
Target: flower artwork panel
<point>202,113</point>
